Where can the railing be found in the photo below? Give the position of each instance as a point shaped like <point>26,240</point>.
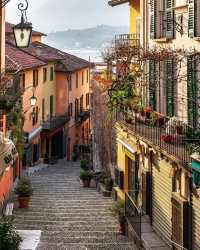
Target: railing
<point>55,122</point>
<point>133,214</point>
<point>10,90</point>
<point>82,116</point>
<point>170,137</point>
<point>127,41</point>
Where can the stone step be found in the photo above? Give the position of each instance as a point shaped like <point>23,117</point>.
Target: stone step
<point>72,227</point>
<point>91,246</point>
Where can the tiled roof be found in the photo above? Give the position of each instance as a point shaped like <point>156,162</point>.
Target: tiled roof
<point>17,59</point>
<point>66,62</point>
<point>9,30</point>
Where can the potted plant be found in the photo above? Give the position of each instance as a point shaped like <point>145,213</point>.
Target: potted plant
<point>160,119</point>
<point>106,186</point>
<point>84,164</point>
<point>118,209</point>
<point>168,138</point>
<point>24,191</point>
<point>86,177</point>
<point>9,238</point>
<point>148,111</point>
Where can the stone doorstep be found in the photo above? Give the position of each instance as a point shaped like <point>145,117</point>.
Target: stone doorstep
<point>152,241</point>
<point>31,239</point>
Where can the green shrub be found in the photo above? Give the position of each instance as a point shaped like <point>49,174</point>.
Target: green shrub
<point>86,175</point>
<point>84,164</point>
<point>24,188</point>
<point>9,238</point>
<point>118,209</point>
<point>108,183</point>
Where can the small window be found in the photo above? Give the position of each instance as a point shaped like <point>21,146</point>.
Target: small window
<point>52,74</point>
<point>82,77</point>
<point>70,110</point>
<point>81,103</point>
<point>43,109</point>
<point>87,99</point>
<point>51,106</point>
<point>35,78</point>
<point>35,115</point>
<point>70,82</point>
<point>87,76</point>
<point>77,80</point>
<point>44,74</point>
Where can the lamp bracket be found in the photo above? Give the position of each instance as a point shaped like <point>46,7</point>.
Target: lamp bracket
<point>23,8</point>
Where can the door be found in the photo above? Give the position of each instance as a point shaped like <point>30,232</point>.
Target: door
<point>133,181</point>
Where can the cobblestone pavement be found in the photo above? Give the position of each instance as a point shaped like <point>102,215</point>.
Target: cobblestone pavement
<point>70,217</point>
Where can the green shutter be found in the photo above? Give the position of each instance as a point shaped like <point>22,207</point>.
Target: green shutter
<point>169,85</point>
<point>192,92</point>
<point>152,84</point>
<point>192,18</point>
<point>169,14</point>
<point>153,16</point>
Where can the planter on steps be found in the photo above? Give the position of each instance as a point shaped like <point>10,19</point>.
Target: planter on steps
<point>106,193</point>
<point>24,202</point>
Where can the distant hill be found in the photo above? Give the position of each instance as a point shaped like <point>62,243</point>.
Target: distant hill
<point>92,38</point>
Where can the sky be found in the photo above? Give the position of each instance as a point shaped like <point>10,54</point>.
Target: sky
<point>57,15</point>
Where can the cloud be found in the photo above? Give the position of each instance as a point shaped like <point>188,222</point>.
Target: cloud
<point>51,15</point>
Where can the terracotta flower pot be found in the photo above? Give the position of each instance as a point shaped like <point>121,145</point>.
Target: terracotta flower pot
<point>24,202</point>
<point>168,138</point>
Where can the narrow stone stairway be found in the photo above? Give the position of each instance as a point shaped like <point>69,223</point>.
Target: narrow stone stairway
<point>69,216</point>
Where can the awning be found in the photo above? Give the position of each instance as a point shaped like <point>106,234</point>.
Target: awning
<point>33,134</point>
<point>127,146</point>
<point>196,172</point>
<point>8,154</point>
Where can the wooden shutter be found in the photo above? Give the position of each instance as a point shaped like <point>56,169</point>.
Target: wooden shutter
<point>152,84</point>
<point>153,16</point>
<point>169,85</point>
<point>169,13</point>
<point>192,17</point>
<point>192,92</point>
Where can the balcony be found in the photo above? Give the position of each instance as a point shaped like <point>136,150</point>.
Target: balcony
<point>55,122</point>
<point>82,116</point>
<point>126,44</point>
<point>114,3</point>
<point>169,138</point>
<point>10,91</point>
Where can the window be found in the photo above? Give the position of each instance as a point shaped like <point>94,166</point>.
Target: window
<point>87,99</point>
<point>70,110</point>
<point>81,104</point>
<point>35,114</point>
<point>193,18</point>
<point>35,78</point>
<point>82,77</point>
<point>23,81</point>
<point>152,85</point>
<point>161,19</point>
<point>52,74</point>
<point>77,80</point>
<point>51,106</point>
<point>169,86</point>
<point>44,74</point>
<point>43,109</point>
<point>70,82</point>
<point>87,76</point>
<point>76,108</point>
<point>192,91</point>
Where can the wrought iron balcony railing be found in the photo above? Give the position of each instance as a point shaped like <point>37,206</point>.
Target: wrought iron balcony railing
<point>82,116</point>
<point>55,122</point>
<point>117,2</point>
<point>172,139</point>
<point>10,91</point>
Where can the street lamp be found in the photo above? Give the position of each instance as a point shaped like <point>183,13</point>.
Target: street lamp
<point>23,30</point>
<point>33,101</point>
